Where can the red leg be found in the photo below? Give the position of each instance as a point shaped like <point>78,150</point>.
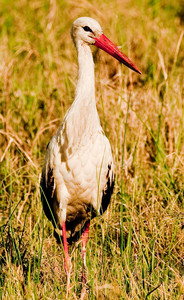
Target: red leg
<point>84,240</point>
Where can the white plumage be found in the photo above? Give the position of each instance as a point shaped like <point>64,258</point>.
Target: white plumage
<point>78,173</point>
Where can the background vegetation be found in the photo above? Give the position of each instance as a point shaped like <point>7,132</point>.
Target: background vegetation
<point>136,250</point>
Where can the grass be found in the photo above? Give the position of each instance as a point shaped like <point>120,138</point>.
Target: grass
<point>136,248</point>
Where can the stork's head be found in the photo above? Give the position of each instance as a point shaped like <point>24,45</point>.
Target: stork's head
<point>85,29</point>
<point>88,31</point>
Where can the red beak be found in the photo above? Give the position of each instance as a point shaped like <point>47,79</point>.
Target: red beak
<point>105,44</point>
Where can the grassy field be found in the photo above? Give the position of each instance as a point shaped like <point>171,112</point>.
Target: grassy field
<point>136,250</point>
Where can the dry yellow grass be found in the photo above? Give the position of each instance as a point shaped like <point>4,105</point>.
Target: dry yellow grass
<point>136,248</point>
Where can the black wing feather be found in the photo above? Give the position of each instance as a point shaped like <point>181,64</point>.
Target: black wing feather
<point>107,192</point>
<point>47,194</point>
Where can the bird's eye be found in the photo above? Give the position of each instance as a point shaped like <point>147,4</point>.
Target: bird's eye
<point>86,28</point>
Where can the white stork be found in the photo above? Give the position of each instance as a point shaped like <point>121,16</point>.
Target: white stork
<point>78,174</point>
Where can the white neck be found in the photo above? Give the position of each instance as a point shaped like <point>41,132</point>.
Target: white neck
<point>82,118</point>
<point>85,91</point>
